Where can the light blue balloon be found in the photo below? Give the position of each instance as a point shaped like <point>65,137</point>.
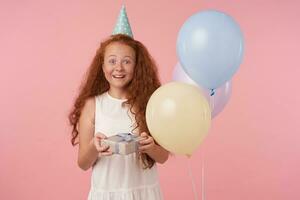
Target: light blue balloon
<point>210,48</point>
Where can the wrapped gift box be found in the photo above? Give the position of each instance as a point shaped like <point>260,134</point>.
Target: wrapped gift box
<point>122,143</point>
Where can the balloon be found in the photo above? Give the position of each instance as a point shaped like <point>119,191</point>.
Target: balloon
<point>210,48</point>
<point>178,117</point>
<point>217,101</point>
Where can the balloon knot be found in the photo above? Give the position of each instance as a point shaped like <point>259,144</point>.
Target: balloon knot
<point>212,92</point>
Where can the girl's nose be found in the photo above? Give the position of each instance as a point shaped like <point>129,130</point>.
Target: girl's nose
<point>119,66</point>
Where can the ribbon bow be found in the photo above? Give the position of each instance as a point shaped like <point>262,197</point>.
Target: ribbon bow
<point>126,136</point>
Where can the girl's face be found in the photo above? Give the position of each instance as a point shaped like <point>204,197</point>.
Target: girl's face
<point>118,66</point>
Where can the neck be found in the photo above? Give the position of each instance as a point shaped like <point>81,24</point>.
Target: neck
<point>119,94</point>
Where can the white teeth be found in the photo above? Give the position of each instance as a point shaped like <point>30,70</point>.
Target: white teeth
<point>118,76</point>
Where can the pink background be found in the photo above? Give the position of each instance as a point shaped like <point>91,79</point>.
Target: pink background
<point>252,151</point>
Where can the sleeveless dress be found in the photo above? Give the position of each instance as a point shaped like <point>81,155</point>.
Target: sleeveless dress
<point>120,177</point>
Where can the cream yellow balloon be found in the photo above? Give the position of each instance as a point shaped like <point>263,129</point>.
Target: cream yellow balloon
<point>178,117</point>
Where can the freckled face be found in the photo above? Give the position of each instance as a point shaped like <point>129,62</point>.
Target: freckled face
<point>118,66</point>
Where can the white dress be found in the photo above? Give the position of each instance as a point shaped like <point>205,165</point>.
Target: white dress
<point>120,177</point>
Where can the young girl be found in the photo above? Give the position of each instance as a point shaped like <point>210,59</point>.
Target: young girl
<point>113,100</point>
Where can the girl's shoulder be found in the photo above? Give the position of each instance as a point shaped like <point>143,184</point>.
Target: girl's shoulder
<point>90,102</point>
<point>89,107</point>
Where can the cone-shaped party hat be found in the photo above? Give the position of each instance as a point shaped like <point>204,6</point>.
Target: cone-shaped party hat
<point>123,26</point>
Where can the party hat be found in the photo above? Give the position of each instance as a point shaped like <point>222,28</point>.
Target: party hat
<point>123,26</point>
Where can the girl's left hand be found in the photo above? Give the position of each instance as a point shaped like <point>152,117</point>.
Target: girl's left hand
<point>147,144</point>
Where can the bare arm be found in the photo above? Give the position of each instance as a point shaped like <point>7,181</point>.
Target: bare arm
<point>156,152</point>
<point>159,154</point>
<point>89,147</point>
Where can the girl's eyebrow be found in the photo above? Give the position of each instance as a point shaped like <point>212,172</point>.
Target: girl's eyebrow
<point>124,56</point>
<point>128,57</point>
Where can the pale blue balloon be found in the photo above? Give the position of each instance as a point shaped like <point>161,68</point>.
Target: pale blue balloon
<point>210,48</point>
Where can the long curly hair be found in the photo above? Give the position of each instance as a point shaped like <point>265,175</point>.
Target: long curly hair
<point>144,82</point>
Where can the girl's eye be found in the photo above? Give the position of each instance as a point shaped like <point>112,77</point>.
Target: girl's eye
<point>126,61</point>
<point>112,61</point>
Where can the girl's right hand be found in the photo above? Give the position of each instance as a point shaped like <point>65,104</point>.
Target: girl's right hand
<point>102,150</point>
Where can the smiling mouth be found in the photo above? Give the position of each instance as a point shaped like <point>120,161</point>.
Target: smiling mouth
<point>118,76</point>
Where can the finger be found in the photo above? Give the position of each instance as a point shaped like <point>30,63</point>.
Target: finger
<point>97,144</point>
<point>145,147</point>
<point>146,141</point>
<point>100,135</point>
<point>144,134</point>
<point>106,153</point>
<point>103,148</point>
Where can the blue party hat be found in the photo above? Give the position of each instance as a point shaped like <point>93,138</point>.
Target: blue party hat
<point>123,26</point>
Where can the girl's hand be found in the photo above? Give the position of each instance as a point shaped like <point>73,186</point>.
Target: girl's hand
<point>147,144</point>
<point>103,150</point>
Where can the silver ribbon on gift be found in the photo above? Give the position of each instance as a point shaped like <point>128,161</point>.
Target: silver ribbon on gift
<point>127,137</point>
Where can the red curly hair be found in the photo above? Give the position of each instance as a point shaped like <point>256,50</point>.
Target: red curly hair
<point>144,82</point>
